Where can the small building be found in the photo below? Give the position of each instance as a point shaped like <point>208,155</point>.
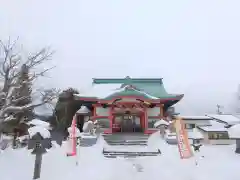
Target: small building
<point>210,130</point>
<point>192,122</point>
<point>216,133</point>
<point>128,104</point>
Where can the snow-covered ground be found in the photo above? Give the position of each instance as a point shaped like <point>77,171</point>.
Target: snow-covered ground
<point>219,162</point>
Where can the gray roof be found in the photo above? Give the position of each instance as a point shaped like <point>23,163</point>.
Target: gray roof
<point>83,110</point>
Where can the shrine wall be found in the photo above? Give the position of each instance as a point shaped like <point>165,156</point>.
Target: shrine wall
<point>153,111</point>
<point>102,111</point>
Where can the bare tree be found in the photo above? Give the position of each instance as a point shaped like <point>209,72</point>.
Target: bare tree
<point>11,63</point>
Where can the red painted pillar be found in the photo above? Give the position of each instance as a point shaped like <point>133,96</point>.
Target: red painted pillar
<point>110,117</point>
<point>145,116</point>
<point>161,111</point>
<point>94,113</point>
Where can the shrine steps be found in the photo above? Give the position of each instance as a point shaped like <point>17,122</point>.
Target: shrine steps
<point>126,139</point>
<point>130,154</point>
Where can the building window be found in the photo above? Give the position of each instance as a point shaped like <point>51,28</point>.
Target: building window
<point>190,126</point>
<point>151,123</point>
<point>218,135</point>
<point>104,123</point>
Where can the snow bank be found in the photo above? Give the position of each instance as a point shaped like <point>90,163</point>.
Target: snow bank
<point>93,166</point>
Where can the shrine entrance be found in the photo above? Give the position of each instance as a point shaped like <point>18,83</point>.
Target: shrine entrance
<point>128,123</point>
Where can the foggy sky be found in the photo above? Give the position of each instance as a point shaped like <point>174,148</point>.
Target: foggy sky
<point>194,45</point>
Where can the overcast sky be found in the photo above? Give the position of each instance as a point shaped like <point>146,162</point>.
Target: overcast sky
<point>194,45</point>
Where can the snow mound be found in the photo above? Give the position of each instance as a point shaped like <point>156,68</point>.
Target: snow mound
<point>156,141</point>
<point>77,131</point>
<point>38,129</point>
<point>88,126</point>
<point>160,122</point>
<point>195,134</point>
<point>37,122</point>
<point>234,131</point>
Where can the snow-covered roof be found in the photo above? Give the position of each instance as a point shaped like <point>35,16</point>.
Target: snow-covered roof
<point>38,122</point>
<point>234,131</point>
<point>83,110</point>
<point>226,118</point>
<point>100,90</point>
<point>195,117</point>
<point>215,126</point>
<point>160,122</point>
<point>195,134</point>
<point>146,94</point>
<point>39,129</point>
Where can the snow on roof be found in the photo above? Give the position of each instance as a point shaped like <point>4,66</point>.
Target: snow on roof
<point>100,90</point>
<point>237,115</point>
<point>226,118</point>
<point>39,129</point>
<point>160,122</point>
<point>234,131</point>
<point>83,110</point>
<point>195,117</point>
<point>38,122</point>
<point>195,134</point>
<point>215,126</point>
<point>148,95</point>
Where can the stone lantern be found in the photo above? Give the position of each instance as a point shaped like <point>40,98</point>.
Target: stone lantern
<point>39,142</point>
<point>83,115</point>
<point>162,125</point>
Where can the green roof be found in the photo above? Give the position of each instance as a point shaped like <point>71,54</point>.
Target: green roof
<point>151,86</point>
<point>130,92</point>
<point>126,80</point>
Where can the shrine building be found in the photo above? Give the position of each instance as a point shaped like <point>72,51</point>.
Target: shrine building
<point>128,104</point>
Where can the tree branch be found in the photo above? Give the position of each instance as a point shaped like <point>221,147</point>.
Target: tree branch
<point>10,71</point>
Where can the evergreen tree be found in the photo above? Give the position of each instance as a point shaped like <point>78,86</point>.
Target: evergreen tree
<point>24,91</point>
<point>65,109</point>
